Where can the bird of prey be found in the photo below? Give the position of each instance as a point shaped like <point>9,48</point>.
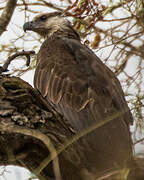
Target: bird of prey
<point>84,90</point>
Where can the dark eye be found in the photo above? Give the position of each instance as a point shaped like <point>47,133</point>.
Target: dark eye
<point>43,18</point>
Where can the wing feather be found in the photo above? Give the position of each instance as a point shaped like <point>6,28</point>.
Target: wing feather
<point>57,91</point>
<point>76,75</point>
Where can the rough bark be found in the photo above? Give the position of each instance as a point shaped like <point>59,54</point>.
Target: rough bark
<point>28,123</point>
<point>22,109</point>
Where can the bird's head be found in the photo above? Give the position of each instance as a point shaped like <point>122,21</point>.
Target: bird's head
<point>46,24</point>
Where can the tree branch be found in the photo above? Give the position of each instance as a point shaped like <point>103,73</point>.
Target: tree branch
<point>7,14</point>
<point>6,127</point>
<point>22,112</point>
<point>10,58</point>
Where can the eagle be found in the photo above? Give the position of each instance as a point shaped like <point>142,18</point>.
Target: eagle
<point>84,90</point>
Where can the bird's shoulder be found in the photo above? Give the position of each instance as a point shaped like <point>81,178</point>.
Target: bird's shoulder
<point>71,65</point>
<point>70,71</point>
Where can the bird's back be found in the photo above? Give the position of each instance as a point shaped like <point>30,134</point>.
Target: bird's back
<point>87,93</point>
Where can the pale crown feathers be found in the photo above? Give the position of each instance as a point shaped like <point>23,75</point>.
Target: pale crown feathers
<point>46,24</point>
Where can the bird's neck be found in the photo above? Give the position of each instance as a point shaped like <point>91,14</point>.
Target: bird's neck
<point>67,32</point>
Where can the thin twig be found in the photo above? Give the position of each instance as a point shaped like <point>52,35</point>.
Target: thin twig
<point>10,58</point>
<point>138,141</point>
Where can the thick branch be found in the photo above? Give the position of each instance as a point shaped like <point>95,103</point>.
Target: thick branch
<point>7,14</point>
<point>4,127</point>
<point>21,112</point>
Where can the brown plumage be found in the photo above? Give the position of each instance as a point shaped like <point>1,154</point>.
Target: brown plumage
<point>74,80</point>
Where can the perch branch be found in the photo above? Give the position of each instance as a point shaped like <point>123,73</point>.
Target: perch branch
<point>42,137</point>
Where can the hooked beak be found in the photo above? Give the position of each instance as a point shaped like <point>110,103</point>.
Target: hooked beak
<point>28,26</point>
